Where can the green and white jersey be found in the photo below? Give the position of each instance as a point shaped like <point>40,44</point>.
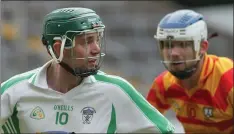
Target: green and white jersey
<point>100,104</point>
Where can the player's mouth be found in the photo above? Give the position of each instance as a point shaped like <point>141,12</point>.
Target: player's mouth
<point>177,63</point>
<point>92,61</point>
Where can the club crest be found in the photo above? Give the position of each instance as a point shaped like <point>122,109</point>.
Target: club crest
<point>87,114</point>
<point>208,112</point>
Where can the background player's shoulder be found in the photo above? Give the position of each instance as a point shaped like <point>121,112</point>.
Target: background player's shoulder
<point>225,61</point>
<point>17,78</point>
<point>222,63</point>
<point>223,66</point>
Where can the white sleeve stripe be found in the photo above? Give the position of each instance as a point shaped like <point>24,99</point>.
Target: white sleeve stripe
<point>11,123</point>
<point>8,128</point>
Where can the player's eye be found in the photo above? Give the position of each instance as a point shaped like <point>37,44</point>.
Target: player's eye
<point>91,40</point>
<point>182,44</point>
<point>167,44</point>
<point>161,44</point>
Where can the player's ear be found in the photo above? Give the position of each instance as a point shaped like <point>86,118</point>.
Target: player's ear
<point>56,47</point>
<point>204,46</point>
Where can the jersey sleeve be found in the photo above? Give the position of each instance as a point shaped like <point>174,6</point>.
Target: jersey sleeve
<point>8,119</point>
<point>231,92</point>
<point>224,67</point>
<point>131,112</point>
<point>10,94</point>
<point>156,96</point>
<point>135,115</point>
<point>231,97</point>
<point>6,107</point>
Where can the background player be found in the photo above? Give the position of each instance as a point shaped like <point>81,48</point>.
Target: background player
<point>69,94</point>
<point>196,85</point>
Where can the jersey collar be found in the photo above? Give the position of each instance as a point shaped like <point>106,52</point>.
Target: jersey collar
<point>39,78</point>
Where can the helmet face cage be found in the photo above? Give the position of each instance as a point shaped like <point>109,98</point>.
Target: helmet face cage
<point>186,50</point>
<point>179,36</point>
<point>79,55</point>
<point>81,32</point>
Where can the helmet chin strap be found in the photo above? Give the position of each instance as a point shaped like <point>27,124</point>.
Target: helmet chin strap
<point>59,59</point>
<point>79,71</point>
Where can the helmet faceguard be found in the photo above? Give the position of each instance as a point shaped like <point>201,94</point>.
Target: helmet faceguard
<point>184,31</point>
<point>189,60</point>
<point>79,30</point>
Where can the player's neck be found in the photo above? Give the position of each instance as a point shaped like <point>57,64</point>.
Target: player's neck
<point>193,80</point>
<point>60,80</point>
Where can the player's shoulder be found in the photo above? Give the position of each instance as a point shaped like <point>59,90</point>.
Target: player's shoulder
<point>222,75</point>
<point>222,70</point>
<point>117,89</point>
<point>222,65</point>
<point>17,79</point>
<point>115,85</point>
<point>222,62</point>
<point>113,79</point>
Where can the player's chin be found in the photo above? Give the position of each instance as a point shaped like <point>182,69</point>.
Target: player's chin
<point>92,66</point>
<point>177,67</point>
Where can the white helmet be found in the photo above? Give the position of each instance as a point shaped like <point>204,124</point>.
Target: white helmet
<point>183,25</point>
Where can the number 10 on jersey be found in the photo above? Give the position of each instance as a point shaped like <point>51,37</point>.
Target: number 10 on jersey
<point>61,118</point>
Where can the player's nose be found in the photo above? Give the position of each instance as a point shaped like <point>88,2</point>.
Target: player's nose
<point>95,48</point>
<point>174,51</point>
